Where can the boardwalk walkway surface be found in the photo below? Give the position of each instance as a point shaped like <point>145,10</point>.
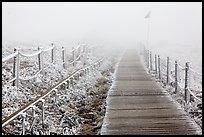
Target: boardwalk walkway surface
<point>137,105</point>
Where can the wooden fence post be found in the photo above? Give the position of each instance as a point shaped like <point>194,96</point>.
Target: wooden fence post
<point>17,68</point>
<point>176,77</point>
<point>73,56</point>
<point>159,69</point>
<point>52,54</point>
<point>63,61</point>
<point>167,71</point>
<point>186,82</point>
<point>43,113</point>
<point>23,123</point>
<point>14,68</point>
<point>151,60</point>
<point>39,60</point>
<point>155,63</point>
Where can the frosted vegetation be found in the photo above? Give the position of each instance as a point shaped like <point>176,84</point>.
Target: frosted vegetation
<point>77,110</point>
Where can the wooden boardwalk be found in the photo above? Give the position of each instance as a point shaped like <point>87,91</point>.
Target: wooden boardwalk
<point>137,105</point>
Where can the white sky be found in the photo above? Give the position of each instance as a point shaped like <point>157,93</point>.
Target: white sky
<point>116,23</point>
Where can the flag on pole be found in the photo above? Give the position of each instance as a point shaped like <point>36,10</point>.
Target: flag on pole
<point>148,14</point>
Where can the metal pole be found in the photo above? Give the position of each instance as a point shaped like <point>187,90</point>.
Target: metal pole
<point>148,33</point>
<point>159,69</point>
<point>176,77</point>
<point>186,82</point>
<point>155,63</point>
<point>167,71</point>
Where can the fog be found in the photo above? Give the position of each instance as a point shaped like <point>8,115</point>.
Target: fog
<point>174,27</point>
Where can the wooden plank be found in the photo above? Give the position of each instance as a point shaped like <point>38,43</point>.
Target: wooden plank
<point>137,105</point>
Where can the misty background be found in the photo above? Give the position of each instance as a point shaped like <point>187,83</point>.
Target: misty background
<point>175,28</point>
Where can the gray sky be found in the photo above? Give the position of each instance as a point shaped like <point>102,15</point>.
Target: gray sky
<point>107,23</point>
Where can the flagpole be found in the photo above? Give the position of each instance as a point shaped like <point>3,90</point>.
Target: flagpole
<point>148,23</point>
<point>148,27</point>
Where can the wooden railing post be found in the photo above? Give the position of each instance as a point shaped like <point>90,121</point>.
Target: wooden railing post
<point>73,56</point>
<point>52,54</point>
<point>17,68</point>
<point>43,113</point>
<point>186,82</point>
<point>151,60</point>
<point>79,51</point>
<point>155,63</point>
<point>167,71</point>
<point>34,117</point>
<point>176,77</point>
<point>39,60</point>
<point>159,69</point>
<point>63,61</point>
<point>14,68</point>
<point>23,123</point>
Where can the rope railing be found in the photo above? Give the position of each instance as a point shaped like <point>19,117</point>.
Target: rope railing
<point>9,56</point>
<point>30,55</point>
<point>66,81</point>
<point>31,77</point>
<point>75,52</point>
<point>180,76</point>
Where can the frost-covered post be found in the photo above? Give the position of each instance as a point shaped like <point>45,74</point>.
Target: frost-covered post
<point>73,56</point>
<point>14,67</point>
<point>40,59</point>
<point>176,77</point>
<point>63,62</point>
<point>150,60</point>
<point>186,82</point>
<point>52,53</point>
<point>17,68</point>
<point>23,123</point>
<point>55,96</point>
<point>34,117</point>
<point>68,84</point>
<point>43,112</point>
<point>155,63</point>
<point>79,51</point>
<point>159,69</point>
<point>167,71</point>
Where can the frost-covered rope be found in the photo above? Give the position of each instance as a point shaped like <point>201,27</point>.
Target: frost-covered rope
<point>180,85</point>
<point>10,56</point>
<point>11,80</point>
<point>31,77</point>
<point>181,67</point>
<point>45,50</point>
<point>78,57</point>
<point>171,78</point>
<point>195,72</point>
<point>189,90</point>
<point>30,55</point>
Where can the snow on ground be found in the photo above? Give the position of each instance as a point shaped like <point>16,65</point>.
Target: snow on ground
<point>77,110</point>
